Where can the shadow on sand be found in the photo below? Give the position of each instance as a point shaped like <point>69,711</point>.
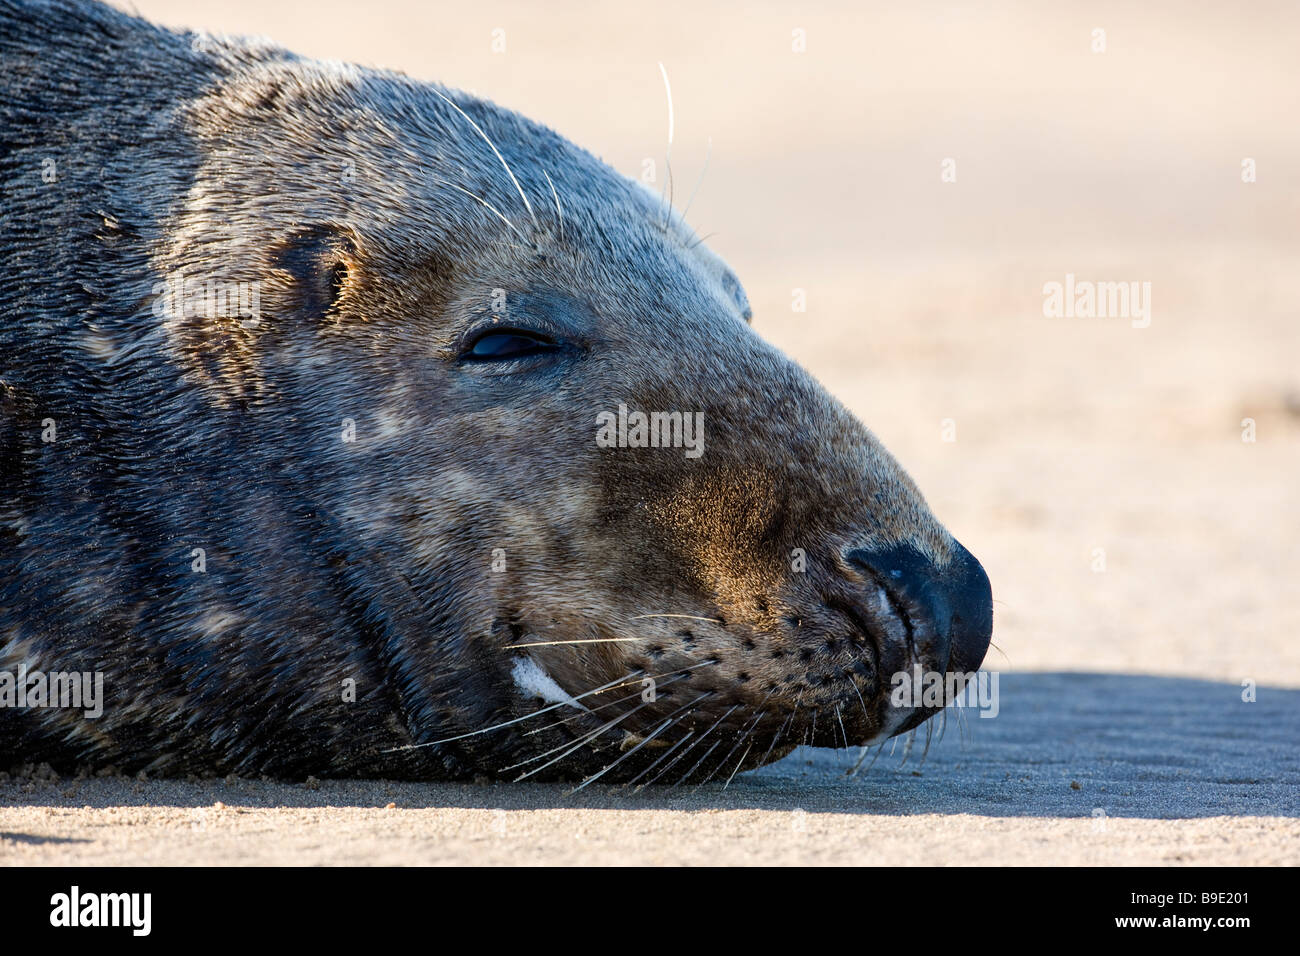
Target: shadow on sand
<point>1062,745</point>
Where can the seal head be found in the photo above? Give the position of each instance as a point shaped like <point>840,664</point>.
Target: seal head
<point>484,465</point>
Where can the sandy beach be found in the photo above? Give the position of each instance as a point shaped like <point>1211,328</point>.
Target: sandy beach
<point>1080,769</point>
<point>1130,483</point>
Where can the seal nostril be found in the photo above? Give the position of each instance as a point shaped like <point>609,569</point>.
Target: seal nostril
<point>954,600</point>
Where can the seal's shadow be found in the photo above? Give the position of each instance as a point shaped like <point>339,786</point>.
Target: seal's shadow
<point>1063,745</point>
<point>1084,744</point>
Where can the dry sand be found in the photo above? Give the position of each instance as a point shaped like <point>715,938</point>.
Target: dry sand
<point>1143,556</point>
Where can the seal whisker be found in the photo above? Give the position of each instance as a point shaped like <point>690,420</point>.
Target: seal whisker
<point>664,756</point>
<point>689,617</point>
<point>480,199</point>
<point>963,725</point>
<point>578,746</point>
<point>854,685</point>
<point>729,712</point>
<point>745,735</point>
<point>671,720</point>
<point>592,640</point>
<point>493,146</point>
<point>863,756</point>
<point>1004,654</point>
<point>668,156</point>
<point>508,723</point>
<point>635,693</point>
<point>907,747</point>
<point>708,153</point>
<point>779,733</point>
<point>738,765</point>
<point>608,767</point>
<point>741,736</point>
<point>556,196</point>
<point>686,776</point>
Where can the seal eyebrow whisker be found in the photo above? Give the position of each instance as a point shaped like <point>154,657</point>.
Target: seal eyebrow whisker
<point>668,155</point>
<point>699,182</point>
<point>480,199</point>
<point>493,146</point>
<point>556,196</point>
<point>703,238</point>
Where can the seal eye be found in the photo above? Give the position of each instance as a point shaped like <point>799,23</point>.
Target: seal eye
<point>503,344</point>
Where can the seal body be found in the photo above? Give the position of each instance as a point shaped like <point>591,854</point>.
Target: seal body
<point>354,425</point>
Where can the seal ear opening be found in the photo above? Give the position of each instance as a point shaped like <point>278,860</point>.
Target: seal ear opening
<point>315,266</point>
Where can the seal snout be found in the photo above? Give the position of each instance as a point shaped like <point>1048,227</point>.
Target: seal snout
<point>948,608</point>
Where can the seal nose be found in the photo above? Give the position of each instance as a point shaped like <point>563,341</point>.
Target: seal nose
<point>953,603</point>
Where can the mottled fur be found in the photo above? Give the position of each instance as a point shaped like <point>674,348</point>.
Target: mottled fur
<point>345,195</point>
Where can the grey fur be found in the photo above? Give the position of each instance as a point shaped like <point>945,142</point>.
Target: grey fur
<point>356,203</point>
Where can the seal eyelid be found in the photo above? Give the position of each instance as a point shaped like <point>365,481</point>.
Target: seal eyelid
<point>496,344</point>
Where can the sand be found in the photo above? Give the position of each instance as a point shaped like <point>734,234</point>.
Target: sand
<point>1077,769</point>
<point>1143,556</point>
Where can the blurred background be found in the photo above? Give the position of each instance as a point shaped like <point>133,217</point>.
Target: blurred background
<point>1098,470</point>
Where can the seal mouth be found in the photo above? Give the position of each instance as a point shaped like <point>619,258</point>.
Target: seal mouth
<point>702,719</point>
<point>662,702</point>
